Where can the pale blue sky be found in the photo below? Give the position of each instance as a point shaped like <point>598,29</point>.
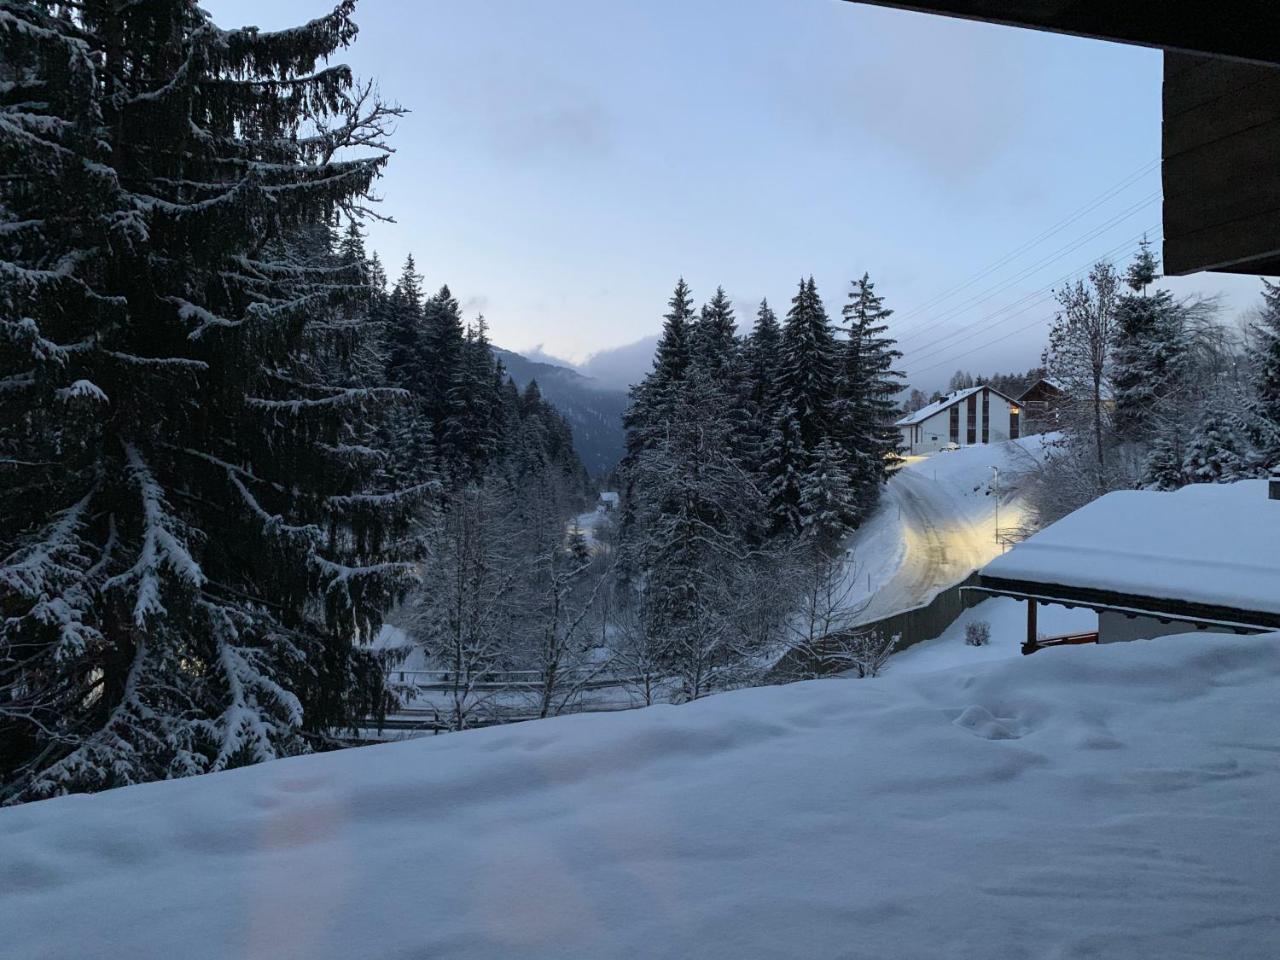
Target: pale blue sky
<point>566,160</point>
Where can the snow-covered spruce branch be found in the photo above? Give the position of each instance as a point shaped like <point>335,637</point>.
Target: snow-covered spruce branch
<point>161,548</point>
<point>352,396</point>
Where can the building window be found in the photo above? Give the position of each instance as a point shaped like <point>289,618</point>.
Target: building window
<point>1013,423</point>
<point>955,423</point>
<point>986,416</point>
<point>971,431</point>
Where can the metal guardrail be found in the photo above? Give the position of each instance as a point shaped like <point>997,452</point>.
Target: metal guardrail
<point>515,680</point>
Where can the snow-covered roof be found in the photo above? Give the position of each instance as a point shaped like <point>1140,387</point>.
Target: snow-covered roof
<point>924,413</point>
<point>609,496</point>
<point>1061,387</point>
<point>1210,545</point>
<point>1052,382</point>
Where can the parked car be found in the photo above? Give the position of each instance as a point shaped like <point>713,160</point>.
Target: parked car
<point>950,447</point>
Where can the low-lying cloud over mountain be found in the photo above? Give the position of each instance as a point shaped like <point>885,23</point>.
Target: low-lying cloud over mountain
<point>622,366</point>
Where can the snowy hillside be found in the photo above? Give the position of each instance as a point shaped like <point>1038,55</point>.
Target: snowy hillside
<point>1109,802</point>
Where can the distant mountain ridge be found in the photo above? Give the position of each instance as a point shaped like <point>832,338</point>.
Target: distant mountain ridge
<point>594,409</point>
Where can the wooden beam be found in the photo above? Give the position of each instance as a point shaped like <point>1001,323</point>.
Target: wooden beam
<point>1032,644</point>
<point>1221,139</point>
<point>1242,30</point>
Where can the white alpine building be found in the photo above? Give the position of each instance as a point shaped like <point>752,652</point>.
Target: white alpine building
<point>964,417</point>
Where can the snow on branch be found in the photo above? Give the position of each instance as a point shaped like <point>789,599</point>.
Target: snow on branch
<point>352,396</point>
<point>273,521</point>
<point>82,390</point>
<point>161,549</point>
<point>51,572</point>
<point>133,358</point>
<point>203,319</point>
<point>260,713</point>
<point>357,502</point>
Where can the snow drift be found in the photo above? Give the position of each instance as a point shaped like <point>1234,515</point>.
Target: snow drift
<point>1114,801</point>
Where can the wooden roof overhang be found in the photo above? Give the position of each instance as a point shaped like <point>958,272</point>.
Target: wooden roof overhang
<point>1164,609</point>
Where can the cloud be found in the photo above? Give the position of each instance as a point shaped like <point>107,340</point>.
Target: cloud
<point>943,93</point>
<point>524,109</point>
<point>621,366</point>
<point>539,354</point>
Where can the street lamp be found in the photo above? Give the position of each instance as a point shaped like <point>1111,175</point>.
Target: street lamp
<point>996,471</point>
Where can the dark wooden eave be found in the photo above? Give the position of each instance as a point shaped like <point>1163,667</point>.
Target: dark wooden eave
<point>1242,29</point>
<point>1159,608</point>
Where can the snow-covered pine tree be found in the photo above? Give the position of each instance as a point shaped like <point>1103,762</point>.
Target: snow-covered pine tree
<point>758,373</point>
<point>405,335</point>
<point>714,343</point>
<point>481,397</point>
<point>807,366</point>
<point>760,361</point>
<point>188,554</point>
<point>693,506</point>
<point>1150,352</point>
<point>1162,469</point>
<point>653,398</point>
<point>868,385</point>
<point>806,397</point>
<point>410,437</point>
<point>784,468</point>
<point>1264,409</point>
<point>444,357</point>
<point>1217,452</point>
<point>827,501</point>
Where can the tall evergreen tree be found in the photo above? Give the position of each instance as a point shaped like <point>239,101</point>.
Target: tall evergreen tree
<point>1264,426</point>
<point>806,397</point>
<point>760,360</point>
<point>759,371</point>
<point>693,504</point>
<point>405,335</point>
<point>1150,354</point>
<point>807,366</point>
<point>410,437</point>
<point>653,399</point>
<point>715,343</point>
<point>827,503</point>
<point>183,583</point>
<point>1217,452</point>
<point>868,385</point>
<point>444,358</point>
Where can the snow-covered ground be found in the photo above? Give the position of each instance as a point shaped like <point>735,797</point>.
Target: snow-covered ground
<point>1008,621</point>
<point>1104,802</point>
<point>936,524</point>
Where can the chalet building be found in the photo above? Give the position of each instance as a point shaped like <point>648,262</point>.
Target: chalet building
<point>965,417</point>
<point>1040,404</point>
<point>1153,564</point>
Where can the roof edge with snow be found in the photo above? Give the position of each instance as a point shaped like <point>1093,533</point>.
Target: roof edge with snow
<point>924,413</point>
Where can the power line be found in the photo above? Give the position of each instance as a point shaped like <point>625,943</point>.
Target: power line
<point>1058,254</point>
<point>945,363</point>
<point>1037,293</point>
<point>1040,296</point>
<point>1061,225</point>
